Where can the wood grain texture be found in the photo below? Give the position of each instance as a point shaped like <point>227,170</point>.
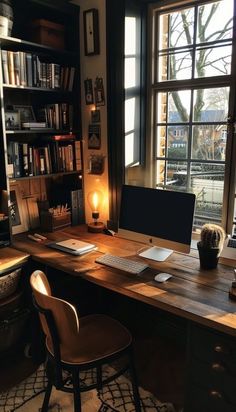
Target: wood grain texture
<point>10,257</point>
<point>194,294</point>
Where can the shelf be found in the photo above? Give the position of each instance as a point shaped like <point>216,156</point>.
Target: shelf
<point>42,131</point>
<point>15,44</point>
<point>14,179</point>
<point>36,89</point>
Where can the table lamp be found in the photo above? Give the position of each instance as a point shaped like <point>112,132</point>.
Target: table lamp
<point>95,201</point>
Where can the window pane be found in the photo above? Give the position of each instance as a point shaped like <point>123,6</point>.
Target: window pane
<point>175,66</point>
<point>209,142</point>
<point>176,29</point>
<point>207,182</point>
<point>130,35</point>
<point>177,175</point>
<point>179,106</point>
<point>211,105</point>
<point>130,72</point>
<point>129,149</point>
<point>215,21</point>
<point>129,114</point>
<point>177,141</point>
<point>215,61</point>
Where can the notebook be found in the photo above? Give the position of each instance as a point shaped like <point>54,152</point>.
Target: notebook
<point>73,246</point>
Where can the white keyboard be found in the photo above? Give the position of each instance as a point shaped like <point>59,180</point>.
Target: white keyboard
<point>117,262</point>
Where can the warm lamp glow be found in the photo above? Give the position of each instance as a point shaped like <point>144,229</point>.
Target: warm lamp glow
<point>95,201</point>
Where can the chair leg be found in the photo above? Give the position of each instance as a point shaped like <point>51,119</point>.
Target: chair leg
<point>99,378</point>
<point>46,397</point>
<point>76,389</point>
<point>137,402</point>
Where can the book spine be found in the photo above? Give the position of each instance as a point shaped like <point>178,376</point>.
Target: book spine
<point>71,79</point>
<point>29,70</point>
<point>11,68</point>
<point>25,159</point>
<point>5,67</point>
<point>16,59</point>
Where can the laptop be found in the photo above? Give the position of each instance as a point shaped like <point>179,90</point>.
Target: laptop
<point>229,249</point>
<point>73,246</point>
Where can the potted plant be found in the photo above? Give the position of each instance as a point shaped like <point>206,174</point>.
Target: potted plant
<point>210,245</point>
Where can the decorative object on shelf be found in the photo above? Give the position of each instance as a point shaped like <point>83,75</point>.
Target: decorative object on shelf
<point>95,200</point>
<point>210,245</point>
<point>26,113</point>
<point>6,18</point>
<point>12,119</point>
<point>94,136</point>
<point>96,164</point>
<point>95,116</point>
<point>88,91</point>
<point>17,211</point>
<point>99,92</point>
<point>91,32</point>
<point>48,33</point>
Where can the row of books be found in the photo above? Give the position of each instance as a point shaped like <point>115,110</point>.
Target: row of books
<point>27,160</point>
<point>25,69</point>
<point>59,116</point>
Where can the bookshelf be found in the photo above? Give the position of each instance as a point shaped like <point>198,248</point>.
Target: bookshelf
<point>40,106</point>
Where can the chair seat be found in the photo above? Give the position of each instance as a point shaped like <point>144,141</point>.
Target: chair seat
<point>99,337</point>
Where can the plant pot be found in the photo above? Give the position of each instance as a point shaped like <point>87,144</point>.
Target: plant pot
<point>6,17</point>
<point>208,257</point>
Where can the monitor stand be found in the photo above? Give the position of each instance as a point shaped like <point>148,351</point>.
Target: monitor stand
<point>156,253</point>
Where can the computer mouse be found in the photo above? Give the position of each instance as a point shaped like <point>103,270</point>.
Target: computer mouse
<point>162,277</point>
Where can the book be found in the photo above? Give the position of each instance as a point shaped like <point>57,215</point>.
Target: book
<point>5,67</point>
<point>11,68</point>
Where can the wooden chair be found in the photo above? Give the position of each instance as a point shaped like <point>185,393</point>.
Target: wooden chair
<point>76,344</point>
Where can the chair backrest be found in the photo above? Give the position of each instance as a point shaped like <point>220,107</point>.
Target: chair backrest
<point>64,315</point>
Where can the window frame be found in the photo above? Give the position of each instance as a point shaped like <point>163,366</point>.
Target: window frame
<point>164,86</point>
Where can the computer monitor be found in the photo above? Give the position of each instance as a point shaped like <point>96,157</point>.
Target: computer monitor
<point>160,218</point>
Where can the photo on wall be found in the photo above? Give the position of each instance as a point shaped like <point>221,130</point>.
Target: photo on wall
<point>88,91</point>
<point>94,136</point>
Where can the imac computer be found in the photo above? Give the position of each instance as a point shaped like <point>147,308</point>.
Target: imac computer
<point>162,219</point>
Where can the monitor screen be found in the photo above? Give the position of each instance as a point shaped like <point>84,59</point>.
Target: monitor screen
<point>158,217</point>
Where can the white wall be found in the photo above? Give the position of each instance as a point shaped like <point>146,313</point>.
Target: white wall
<point>92,67</point>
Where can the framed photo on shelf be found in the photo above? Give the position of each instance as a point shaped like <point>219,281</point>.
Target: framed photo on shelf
<point>17,216</point>
<point>91,32</point>
<point>12,119</point>
<point>26,113</point>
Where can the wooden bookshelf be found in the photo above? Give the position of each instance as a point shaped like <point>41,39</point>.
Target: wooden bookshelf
<point>40,84</point>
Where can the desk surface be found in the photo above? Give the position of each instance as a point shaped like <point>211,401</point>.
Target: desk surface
<point>194,294</point>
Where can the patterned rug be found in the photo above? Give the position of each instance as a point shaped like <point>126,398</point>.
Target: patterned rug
<point>114,397</point>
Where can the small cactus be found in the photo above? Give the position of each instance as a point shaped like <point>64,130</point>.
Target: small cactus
<point>212,236</point>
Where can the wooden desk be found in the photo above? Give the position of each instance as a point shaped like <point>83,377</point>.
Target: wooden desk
<point>200,297</point>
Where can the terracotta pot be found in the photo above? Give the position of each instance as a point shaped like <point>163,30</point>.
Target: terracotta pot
<point>208,257</point>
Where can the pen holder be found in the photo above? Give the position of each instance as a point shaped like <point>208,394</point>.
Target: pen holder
<point>50,222</point>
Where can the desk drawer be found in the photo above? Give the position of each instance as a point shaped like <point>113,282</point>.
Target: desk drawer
<point>213,377</point>
<point>213,347</point>
<point>200,400</point>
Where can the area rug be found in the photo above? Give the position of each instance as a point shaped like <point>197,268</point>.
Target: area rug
<point>115,397</point>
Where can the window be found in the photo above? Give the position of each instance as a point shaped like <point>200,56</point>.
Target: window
<point>191,103</point>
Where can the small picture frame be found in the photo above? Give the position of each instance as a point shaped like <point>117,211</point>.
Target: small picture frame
<point>94,137</point>
<point>99,92</point>
<point>12,119</point>
<point>95,116</point>
<point>91,32</point>
<point>88,91</point>
<point>17,216</point>
<point>26,113</point>
<point>96,164</point>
